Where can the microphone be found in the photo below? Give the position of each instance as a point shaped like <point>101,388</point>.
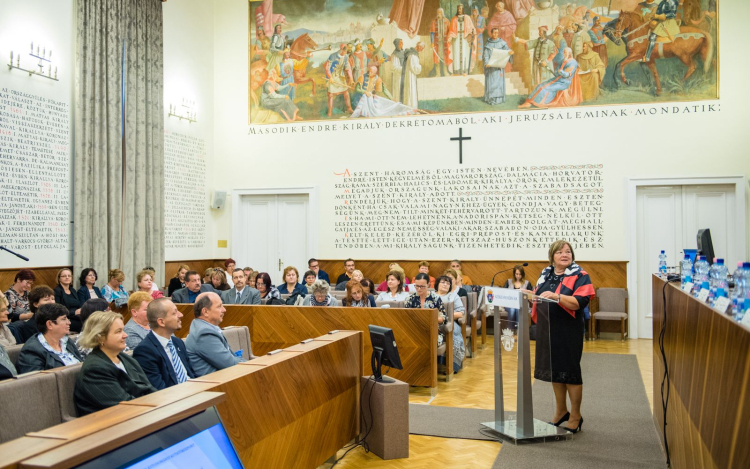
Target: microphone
<point>3,248</point>
<point>525,264</point>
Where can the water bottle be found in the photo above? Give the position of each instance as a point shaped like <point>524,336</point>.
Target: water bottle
<point>663,265</point>
<point>722,284</point>
<point>713,276</point>
<point>686,270</point>
<point>701,275</point>
<point>740,290</point>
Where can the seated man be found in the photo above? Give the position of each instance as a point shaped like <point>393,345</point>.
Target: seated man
<point>137,328</point>
<point>240,294</point>
<point>314,265</point>
<point>193,288</point>
<point>347,275</point>
<point>163,356</point>
<point>207,347</point>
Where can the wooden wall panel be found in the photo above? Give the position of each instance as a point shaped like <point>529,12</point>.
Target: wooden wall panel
<point>44,276</point>
<point>171,267</point>
<point>708,355</point>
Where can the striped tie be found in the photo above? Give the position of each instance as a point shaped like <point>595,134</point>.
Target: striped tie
<point>179,368</point>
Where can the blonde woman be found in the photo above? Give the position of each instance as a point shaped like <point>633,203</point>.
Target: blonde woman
<point>108,376</point>
<point>145,281</point>
<point>114,290</point>
<point>178,281</point>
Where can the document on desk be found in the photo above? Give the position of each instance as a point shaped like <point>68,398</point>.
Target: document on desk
<point>499,58</point>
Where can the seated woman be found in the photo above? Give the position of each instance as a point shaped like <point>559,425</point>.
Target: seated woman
<point>320,295</point>
<point>146,283</point>
<point>356,275</point>
<point>355,295</point>
<point>114,290</point>
<point>178,281</point>
<point>108,376</point>
<point>368,288</point>
<point>518,282</point>
<point>426,299</point>
<point>67,296</point>
<point>395,284</point>
<point>290,286</point>
<point>18,295</point>
<point>219,280</point>
<point>88,288</point>
<point>391,267</point>
<point>252,276</point>
<point>207,274</point>
<point>263,285</point>
<point>443,287</point>
<point>152,272</point>
<point>6,336</point>
<point>456,277</point>
<point>310,278</point>
<point>50,348</point>
<point>90,307</point>
<point>7,368</point>
<point>272,99</point>
<point>38,296</point>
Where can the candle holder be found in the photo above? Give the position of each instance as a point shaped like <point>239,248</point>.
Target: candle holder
<point>45,60</point>
<point>184,111</point>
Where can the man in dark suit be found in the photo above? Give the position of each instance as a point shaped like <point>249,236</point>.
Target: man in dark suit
<point>314,265</point>
<point>347,275</point>
<point>241,294</point>
<point>163,356</point>
<point>193,288</point>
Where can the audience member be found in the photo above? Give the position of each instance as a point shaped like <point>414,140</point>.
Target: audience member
<point>178,281</point>
<point>88,288</point>
<point>355,295</point>
<point>229,266</point>
<point>251,277</point>
<point>314,265</point>
<point>207,274</point>
<point>67,296</point>
<point>193,288</point>
<point>90,307</point>
<point>356,276</point>
<point>154,287</point>
<point>368,287</point>
<point>6,336</point>
<point>7,368</point>
<point>248,271</point>
<point>423,298</point>
<point>424,268</point>
<point>264,287</point>
<point>145,281</point>
<point>290,285</point>
<point>455,276</point>
<point>240,294</point>
<point>391,267</point>
<point>443,288</point>
<point>320,295</point>
<point>38,296</point>
<point>162,356</point>
<point>207,348</point>
<point>18,295</point>
<point>114,290</point>
<point>456,265</point>
<point>518,282</point>
<point>108,376</point>
<point>50,348</point>
<point>395,287</point>
<point>219,280</point>
<point>347,275</point>
<point>309,280</point>
<point>137,328</point>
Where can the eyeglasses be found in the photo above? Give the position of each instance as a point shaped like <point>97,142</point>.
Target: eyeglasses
<point>420,286</point>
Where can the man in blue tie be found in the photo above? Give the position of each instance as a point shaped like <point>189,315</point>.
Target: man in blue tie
<point>163,356</point>
<point>208,349</point>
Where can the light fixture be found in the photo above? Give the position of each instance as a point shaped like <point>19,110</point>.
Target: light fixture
<point>45,61</point>
<point>185,110</point>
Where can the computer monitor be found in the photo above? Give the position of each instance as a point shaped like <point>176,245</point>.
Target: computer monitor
<point>197,441</point>
<point>705,245</point>
<point>384,352</point>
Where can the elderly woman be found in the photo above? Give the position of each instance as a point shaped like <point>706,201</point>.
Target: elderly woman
<point>426,299</point>
<point>88,288</point>
<point>178,281</point>
<point>50,348</point>
<point>559,343</point>
<point>145,281</point>
<point>443,288</point>
<point>18,295</point>
<point>518,282</point>
<point>395,284</point>
<point>320,295</point>
<point>263,285</point>
<point>67,296</point>
<point>290,286</point>
<point>114,290</point>
<point>6,336</point>
<point>108,376</point>
<point>356,275</point>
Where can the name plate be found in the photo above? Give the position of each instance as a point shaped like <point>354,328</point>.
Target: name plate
<point>703,295</point>
<point>722,303</point>
<point>503,297</point>
<point>688,287</point>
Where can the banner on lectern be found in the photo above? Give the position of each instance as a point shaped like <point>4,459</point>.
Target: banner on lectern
<point>502,297</point>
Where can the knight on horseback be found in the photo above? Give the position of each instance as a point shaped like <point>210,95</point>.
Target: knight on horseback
<point>663,24</point>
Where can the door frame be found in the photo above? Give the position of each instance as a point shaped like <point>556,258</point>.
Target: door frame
<point>631,220</point>
<point>313,212</point>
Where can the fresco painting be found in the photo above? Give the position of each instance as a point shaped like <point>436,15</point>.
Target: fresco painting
<point>312,60</point>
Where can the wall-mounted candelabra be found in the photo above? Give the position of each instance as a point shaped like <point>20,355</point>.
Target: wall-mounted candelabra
<point>185,110</point>
<point>45,62</point>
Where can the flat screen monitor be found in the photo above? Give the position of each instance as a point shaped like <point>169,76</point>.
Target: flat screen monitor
<point>705,245</point>
<point>197,441</point>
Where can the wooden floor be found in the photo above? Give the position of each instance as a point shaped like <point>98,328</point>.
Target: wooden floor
<point>473,387</point>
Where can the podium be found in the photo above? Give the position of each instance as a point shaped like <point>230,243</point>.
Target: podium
<point>519,425</point>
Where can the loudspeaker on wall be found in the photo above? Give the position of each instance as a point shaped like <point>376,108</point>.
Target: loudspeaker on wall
<point>218,200</point>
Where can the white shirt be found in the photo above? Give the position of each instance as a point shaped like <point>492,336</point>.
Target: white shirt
<point>121,366</point>
<point>386,296</point>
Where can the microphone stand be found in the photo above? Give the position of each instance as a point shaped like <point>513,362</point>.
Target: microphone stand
<point>3,248</point>
<point>492,284</point>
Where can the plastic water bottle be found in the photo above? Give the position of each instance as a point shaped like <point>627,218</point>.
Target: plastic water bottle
<point>713,277</point>
<point>701,275</point>
<point>663,265</point>
<point>740,290</point>
<point>686,270</point>
<point>722,284</point>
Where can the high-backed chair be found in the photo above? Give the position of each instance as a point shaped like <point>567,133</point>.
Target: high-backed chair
<point>238,338</point>
<point>446,329</point>
<point>610,304</point>
<point>30,404</point>
<point>13,352</point>
<point>66,383</point>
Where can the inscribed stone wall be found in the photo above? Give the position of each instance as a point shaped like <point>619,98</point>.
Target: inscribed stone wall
<point>184,191</point>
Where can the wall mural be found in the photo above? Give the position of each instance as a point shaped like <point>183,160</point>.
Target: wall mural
<point>345,59</point>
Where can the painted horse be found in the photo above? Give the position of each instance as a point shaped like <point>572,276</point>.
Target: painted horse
<point>299,51</point>
<point>634,28</point>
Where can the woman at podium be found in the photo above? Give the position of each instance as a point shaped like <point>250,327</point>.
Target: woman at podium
<point>565,290</point>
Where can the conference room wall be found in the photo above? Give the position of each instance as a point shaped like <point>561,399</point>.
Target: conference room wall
<point>689,145</point>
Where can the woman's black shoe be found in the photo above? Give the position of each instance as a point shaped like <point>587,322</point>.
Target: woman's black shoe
<point>563,419</point>
<point>578,429</point>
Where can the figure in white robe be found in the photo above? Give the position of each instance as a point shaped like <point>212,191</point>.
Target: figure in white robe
<point>463,42</point>
<point>376,101</point>
<point>396,61</point>
<point>412,69</point>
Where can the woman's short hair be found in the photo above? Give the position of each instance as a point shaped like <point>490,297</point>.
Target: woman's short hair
<point>210,271</point>
<point>135,300</point>
<point>24,274</point>
<point>444,278</point>
<point>229,261</point>
<point>59,273</point>
<point>519,268</point>
<point>91,306</point>
<point>49,312</point>
<point>288,269</point>
<point>320,286</point>
<point>399,275</point>
<point>309,273</point>
<point>422,276</point>
<point>369,284</point>
<point>37,293</point>
<point>557,246</point>
<point>96,328</point>
<point>452,272</point>
<point>351,286</point>
<point>184,267</point>
<point>223,284</point>
<point>85,273</point>
<point>117,274</point>
<point>142,274</point>
<point>266,279</point>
